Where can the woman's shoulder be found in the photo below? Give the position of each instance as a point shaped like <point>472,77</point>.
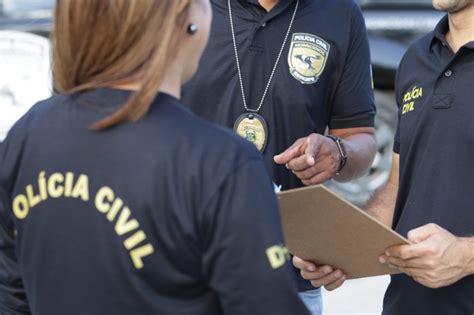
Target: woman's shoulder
<point>212,137</point>
<point>34,114</point>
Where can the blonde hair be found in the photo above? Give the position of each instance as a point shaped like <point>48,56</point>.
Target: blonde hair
<point>99,43</point>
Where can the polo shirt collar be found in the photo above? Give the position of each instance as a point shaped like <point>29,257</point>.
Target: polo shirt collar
<point>440,31</point>
<point>279,2</point>
<point>279,8</point>
<point>439,34</point>
<point>470,45</point>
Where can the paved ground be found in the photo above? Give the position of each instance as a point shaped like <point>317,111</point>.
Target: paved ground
<point>361,297</point>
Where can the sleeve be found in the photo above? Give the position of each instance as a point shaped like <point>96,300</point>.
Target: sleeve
<point>353,103</point>
<point>13,299</point>
<point>399,101</point>
<point>396,141</point>
<point>244,259</point>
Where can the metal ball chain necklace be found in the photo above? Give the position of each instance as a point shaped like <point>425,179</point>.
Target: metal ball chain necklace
<point>251,125</point>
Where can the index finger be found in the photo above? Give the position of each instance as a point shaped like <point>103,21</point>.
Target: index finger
<point>292,152</point>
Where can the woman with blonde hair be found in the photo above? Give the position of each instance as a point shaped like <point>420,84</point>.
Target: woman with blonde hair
<point>116,199</point>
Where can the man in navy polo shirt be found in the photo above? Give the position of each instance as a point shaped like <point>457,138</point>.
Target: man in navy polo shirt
<point>282,72</point>
<point>433,173</point>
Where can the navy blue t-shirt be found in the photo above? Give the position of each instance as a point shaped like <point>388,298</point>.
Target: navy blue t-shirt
<point>435,140</point>
<point>169,215</point>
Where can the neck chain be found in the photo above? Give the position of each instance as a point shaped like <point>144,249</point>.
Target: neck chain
<point>251,125</point>
<point>237,61</point>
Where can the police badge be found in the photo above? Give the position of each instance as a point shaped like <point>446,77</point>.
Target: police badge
<point>307,57</point>
<point>252,126</point>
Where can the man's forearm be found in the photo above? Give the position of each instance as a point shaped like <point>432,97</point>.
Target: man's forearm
<point>469,242</point>
<point>360,149</point>
<point>381,206</point>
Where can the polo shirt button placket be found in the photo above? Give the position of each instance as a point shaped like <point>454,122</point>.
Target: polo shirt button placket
<point>448,73</point>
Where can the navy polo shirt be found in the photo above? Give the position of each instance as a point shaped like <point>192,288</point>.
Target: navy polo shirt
<point>152,217</point>
<point>322,80</point>
<point>435,140</point>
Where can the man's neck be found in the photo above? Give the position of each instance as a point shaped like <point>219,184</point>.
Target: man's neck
<point>268,4</point>
<point>461,28</point>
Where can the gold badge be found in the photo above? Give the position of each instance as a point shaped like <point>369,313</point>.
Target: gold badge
<point>252,127</point>
<point>307,57</point>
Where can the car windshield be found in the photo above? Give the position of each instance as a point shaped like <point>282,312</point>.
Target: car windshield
<point>20,9</point>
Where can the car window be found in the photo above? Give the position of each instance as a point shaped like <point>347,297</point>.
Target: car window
<point>25,76</point>
<point>26,8</point>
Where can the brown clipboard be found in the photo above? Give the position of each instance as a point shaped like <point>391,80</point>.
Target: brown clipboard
<point>322,227</point>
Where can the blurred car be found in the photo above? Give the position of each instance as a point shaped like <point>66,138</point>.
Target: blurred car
<point>392,26</point>
<point>24,57</point>
<point>27,15</point>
